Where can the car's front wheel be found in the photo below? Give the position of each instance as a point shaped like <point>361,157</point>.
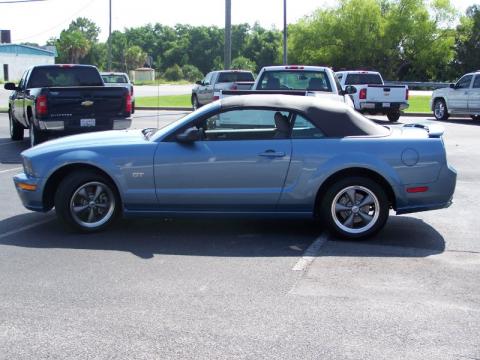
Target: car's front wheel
<point>354,208</point>
<point>195,103</point>
<point>440,110</point>
<point>16,130</point>
<point>87,202</point>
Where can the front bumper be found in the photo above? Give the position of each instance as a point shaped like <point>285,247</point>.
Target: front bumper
<point>31,199</point>
<point>73,126</point>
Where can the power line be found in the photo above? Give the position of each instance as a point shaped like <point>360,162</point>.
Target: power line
<point>19,1</point>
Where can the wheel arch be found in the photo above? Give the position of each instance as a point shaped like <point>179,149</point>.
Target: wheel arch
<point>439,97</point>
<point>351,172</point>
<point>56,177</point>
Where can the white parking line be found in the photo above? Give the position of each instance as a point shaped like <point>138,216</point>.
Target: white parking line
<point>7,143</point>
<point>311,253</point>
<point>12,169</point>
<point>13,232</point>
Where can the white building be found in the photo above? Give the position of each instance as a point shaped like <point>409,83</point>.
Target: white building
<point>15,59</point>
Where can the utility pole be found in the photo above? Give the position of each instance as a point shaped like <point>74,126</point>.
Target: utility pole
<point>110,37</point>
<point>227,56</point>
<point>285,62</point>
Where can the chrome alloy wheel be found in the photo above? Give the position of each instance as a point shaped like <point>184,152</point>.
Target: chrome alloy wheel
<point>355,209</point>
<point>439,109</point>
<point>92,204</point>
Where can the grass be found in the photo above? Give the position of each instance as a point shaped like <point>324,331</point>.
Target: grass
<point>162,82</point>
<point>166,100</point>
<point>419,104</point>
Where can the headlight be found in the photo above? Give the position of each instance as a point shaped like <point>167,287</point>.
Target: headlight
<point>27,167</point>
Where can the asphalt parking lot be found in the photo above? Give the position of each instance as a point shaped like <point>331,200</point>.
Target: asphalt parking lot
<point>216,289</point>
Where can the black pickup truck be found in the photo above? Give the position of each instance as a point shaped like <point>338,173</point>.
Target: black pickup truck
<point>55,100</point>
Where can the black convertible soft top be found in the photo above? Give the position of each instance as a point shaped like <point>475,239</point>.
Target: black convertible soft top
<point>334,118</point>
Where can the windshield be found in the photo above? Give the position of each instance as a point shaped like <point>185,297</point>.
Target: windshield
<point>295,80</point>
<point>114,79</point>
<point>367,79</point>
<point>227,77</point>
<point>187,118</point>
<point>52,76</point>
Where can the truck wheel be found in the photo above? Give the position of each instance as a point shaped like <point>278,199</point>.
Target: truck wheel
<point>36,136</point>
<point>440,110</point>
<point>475,117</point>
<point>195,103</point>
<point>354,208</point>
<point>393,115</point>
<point>16,130</point>
<point>87,202</point>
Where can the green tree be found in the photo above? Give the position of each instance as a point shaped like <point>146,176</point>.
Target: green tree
<point>191,73</point>
<point>87,27</point>
<point>173,73</point>
<point>243,63</point>
<point>72,46</point>
<point>135,57</point>
<point>467,41</point>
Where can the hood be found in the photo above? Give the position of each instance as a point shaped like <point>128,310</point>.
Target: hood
<point>92,139</point>
<point>326,95</point>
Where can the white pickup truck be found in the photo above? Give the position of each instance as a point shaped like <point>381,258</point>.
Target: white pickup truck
<point>302,80</point>
<point>460,98</point>
<point>372,96</point>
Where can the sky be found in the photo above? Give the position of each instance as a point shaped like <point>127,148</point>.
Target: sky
<point>38,21</point>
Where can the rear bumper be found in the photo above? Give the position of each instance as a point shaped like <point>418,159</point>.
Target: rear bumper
<point>378,107</point>
<point>438,196</point>
<point>72,126</point>
<point>32,200</point>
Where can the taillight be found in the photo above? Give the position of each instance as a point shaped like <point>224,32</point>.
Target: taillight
<point>406,95</point>
<point>418,189</point>
<point>294,67</point>
<point>216,97</point>
<point>41,106</point>
<point>234,87</point>
<point>362,95</point>
<point>128,103</point>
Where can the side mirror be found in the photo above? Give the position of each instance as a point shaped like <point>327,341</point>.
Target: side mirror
<point>189,136</point>
<point>10,86</point>
<point>199,82</point>
<point>452,86</point>
<point>349,90</point>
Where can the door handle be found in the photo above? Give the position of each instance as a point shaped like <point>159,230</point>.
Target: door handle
<point>272,153</point>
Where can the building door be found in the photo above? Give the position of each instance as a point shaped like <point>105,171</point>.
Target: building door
<point>5,72</point>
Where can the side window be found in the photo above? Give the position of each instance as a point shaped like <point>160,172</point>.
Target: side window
<point>304,129</point>
<point>476,82</point>
<point>21,84</point>
<point>249,124</point>
<point>208,79</point>
<point>464,82</point>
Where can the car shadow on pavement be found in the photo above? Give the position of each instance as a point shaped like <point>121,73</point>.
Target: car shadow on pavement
<point>10,150</point>
<point>403,236</point>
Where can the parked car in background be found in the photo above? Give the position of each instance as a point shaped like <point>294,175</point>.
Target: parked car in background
<point>204,91</point>
<point>373,96</point>
<point>253,155</point>
<point>461,98</point>
<point>54,100</point>
<point>119,79</point>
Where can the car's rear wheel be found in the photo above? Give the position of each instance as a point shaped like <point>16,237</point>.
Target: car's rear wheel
<point>36,136</point>
<point>16,130</point>
<point>195,103</point>
<point>393,115</point>
<point>440,110</point>
<point>87,202</point>
<point>475,117</point>
<point>354,208</point>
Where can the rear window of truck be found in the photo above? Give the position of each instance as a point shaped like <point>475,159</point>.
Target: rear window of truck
<point>228,77</point>
<point>363,79</point>
<point>64,76</point>
<point>295,80</point>
<point>114,79</point>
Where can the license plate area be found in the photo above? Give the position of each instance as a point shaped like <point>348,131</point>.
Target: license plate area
<point>386,105</point>
<point>87,122</point>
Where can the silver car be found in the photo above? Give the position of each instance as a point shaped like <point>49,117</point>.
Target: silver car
<point>121,80</point>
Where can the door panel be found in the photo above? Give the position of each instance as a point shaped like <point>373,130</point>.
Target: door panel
<point>474,96</point>
<point>458,97</point>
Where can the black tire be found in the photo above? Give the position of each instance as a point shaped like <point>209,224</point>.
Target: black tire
<point>393,115</point>
<point>195,103</point>
<point>16,130</point>
<point>440,110</point>
<point>105,205</point>
<point>336,206</point>
<point>475,117</point>
<point>36,136</point>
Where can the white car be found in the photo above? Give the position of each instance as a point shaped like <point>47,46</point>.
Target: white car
<point>460,98</point>
<point>372,95</point>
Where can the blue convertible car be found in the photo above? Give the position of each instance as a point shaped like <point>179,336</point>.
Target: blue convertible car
<point>277,155</point>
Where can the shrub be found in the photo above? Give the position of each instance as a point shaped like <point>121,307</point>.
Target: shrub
<point>173,73</point>
<point>191,73</point>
